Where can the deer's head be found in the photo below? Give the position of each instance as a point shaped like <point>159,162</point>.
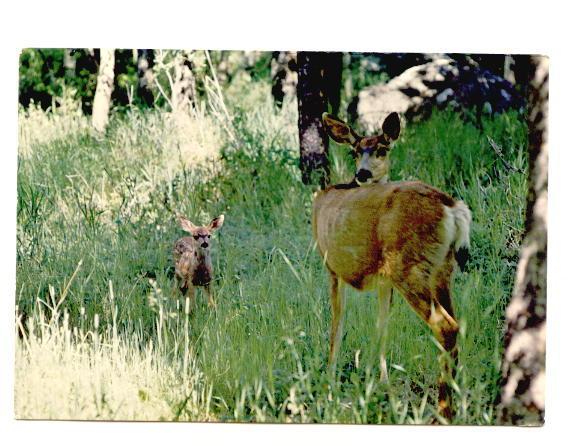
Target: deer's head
<point>371,152</point>
<point>201,234</point>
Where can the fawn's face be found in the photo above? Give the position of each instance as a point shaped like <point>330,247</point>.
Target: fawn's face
<point>372,153</point>
<point>201,235</point>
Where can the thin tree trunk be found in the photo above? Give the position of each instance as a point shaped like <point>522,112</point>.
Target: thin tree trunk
<point>523,369</point>
<point>315,84</point>
<point>184,88</point>
<point>69,62</point>
<point>102,100</point>
<point>145,62</point>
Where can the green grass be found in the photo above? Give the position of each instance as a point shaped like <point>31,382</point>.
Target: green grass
<point>106,205</point>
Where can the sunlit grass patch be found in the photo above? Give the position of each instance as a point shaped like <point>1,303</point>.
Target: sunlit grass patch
<point>85,372</point>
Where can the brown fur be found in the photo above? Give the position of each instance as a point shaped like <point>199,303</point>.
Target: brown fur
<point>192,259</point>
<point>391,235</point>
<point>380,228</point>
<point>401,235</point>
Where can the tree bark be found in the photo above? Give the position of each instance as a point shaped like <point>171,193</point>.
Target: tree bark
<point>317,82</point>
<point>523,369</point>
<point>184,88</point>
<point>145,62</point>
<point>332,80</point>
<point>102,100</point>
<point>69,62</point>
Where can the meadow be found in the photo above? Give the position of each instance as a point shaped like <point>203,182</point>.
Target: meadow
<point>103,334</point>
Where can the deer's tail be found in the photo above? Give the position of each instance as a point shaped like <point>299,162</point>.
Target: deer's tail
<point>462,218</point>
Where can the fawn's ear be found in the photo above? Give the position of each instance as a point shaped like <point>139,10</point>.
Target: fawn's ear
<point>217,223</point>
<point>391,126</point>
<point>186,224</point>
<point>339,130</point>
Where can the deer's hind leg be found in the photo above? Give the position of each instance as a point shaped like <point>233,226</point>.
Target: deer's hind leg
<point>182,268</point>
<point>442,295</point>
<point>442,284</point>
<point>187,290</point>
<point>422,291</point>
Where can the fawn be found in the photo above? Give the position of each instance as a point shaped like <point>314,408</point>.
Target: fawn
<point>192,259</point>
<point>375,234</point>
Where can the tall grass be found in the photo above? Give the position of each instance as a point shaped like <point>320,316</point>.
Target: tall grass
<point>107,205</point>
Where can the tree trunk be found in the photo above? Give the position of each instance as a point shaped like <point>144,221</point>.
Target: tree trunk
<point>523,369</point>
<point>145,62</point>
<point>332,80</point>
<point>184,88</point>
<point>317,81</point>
<point>102,100</point>
<point>69,62</point>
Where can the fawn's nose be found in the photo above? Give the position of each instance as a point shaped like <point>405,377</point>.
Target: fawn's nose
<point>204,245</point>
<point>363,175</point>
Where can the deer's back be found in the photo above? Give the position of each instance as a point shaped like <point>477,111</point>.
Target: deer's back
<point>378,228</point>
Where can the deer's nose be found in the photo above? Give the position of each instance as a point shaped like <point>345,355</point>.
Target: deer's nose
<point>204,245</point>
<point>362,175</point>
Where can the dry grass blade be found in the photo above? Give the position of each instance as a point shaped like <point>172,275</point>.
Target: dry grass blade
<point>499,153</point>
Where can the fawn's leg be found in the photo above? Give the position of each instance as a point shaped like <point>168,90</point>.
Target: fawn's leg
<point>337,308</point>
<point>211,302</point>
<point>384,300</point>
<point>183,287</point>
<point>188,291</point>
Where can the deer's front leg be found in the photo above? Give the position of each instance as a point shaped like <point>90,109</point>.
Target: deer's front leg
<point>209,292</point>
<point>337,308</point>
<point>384,298</point>
<point>188,291</point>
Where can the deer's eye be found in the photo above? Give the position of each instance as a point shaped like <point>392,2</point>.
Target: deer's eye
<point>196,237</point>
<point>207,236</point>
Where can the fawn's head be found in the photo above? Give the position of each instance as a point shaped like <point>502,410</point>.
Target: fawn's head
<point>201,234</point>
<point>371,152</point>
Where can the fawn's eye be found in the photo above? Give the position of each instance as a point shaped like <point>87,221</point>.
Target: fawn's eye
<point>207,236</point>
<point>196,237</point>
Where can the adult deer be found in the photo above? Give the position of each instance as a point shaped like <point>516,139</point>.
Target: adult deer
<point>381,235</point>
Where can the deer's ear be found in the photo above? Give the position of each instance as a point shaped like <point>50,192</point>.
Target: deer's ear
<point>339,130</point>
<point>217,223</point>
<point>186,224</point>
<point>391,126</point>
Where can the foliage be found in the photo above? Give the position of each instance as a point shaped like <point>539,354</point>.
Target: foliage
<point>46,73</point>
<point>95,232</point>
<point>126,80</point>
<point>43,76</point>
